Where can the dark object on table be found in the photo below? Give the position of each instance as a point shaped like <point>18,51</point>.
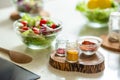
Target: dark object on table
<point>15,16</point>
<point>10,71</point>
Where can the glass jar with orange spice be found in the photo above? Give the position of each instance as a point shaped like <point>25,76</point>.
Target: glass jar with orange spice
<point>89,45</point>
<point>72,54</point>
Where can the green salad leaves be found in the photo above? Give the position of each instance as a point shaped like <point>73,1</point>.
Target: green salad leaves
<point>96,15</point>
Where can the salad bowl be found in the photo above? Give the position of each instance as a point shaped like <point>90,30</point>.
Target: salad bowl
<point>97,12</point>
<point>37,32</point>
<point>32,7</point>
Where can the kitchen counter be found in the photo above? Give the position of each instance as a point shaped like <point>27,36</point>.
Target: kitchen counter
<point>73,25</point>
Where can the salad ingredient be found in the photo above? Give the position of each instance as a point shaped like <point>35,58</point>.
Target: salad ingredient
<point>53,26</point>
<point>102,4</point>
<point>92,4</point>
<point>99,15</point>
<point>28,6</point>
<point>43,22</point>
<point>24,23</point>
<point>34,33</point>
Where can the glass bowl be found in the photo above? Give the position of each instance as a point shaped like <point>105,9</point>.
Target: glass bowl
<point>32,7</point>
<point>88,45</point>
<point>97,17</point>
<point>37,34</point>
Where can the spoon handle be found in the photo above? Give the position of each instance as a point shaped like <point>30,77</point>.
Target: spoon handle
<point>4,50</point>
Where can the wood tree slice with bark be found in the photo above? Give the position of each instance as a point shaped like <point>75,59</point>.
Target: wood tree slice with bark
<point>86,64</point>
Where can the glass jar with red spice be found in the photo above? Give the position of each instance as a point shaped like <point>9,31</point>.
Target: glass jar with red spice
<point>60,47</point>
<point>89,45</point>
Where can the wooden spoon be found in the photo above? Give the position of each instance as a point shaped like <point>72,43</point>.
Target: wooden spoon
<point>17,56</point>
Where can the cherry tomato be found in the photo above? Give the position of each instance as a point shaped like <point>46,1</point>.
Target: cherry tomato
<point>53,26</point>
<point>24,23</point>
<point>36,30</point>
<point>25,28</point>
<point>43,22</point>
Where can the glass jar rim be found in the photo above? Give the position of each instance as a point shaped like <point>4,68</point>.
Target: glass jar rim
<point>90,37</point>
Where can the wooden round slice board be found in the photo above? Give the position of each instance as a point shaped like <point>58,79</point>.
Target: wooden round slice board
<point>108,45</point>
<point>86,64</point>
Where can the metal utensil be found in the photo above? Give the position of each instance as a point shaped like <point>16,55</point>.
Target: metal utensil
<point>17,56</point>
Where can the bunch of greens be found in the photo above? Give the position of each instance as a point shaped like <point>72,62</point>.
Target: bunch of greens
<point>96,15</point>
<point>38,41</point>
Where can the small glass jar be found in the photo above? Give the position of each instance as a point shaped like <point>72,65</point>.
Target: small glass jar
<point>88,45</point>
<point>72,54</point>
<point>114,27</point>
<point>60,47</point>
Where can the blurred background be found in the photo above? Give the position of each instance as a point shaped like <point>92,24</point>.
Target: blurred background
<point>74,23</point>
<point>5,3</point>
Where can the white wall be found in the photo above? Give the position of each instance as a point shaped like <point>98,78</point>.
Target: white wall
<point>5,3</point>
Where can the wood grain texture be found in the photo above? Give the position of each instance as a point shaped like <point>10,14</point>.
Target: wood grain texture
<point>109,45</point>
<point>86,64</point>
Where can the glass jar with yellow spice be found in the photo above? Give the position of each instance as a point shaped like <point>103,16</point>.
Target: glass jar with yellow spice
<point>72,54</point>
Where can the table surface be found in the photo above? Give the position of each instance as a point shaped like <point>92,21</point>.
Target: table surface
<point>73,24</point>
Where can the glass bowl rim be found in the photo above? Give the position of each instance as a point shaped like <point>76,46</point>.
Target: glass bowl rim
<point>90,37</point>
<point>53,19</point>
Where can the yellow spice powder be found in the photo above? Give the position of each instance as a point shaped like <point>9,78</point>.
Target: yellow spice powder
<point>72,55</point>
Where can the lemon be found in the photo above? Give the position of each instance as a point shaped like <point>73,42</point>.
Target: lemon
<point>103,4</point>
<point>92,4</point>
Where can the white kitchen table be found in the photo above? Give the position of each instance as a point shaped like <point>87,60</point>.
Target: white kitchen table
<point>73,22</point>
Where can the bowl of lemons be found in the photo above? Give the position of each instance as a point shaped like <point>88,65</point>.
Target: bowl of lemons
<point>97,11</point>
